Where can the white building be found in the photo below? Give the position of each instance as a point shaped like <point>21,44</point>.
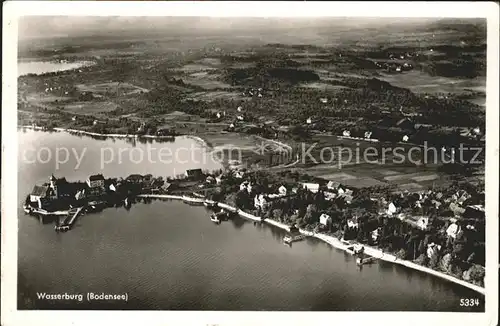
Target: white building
<point>332,185</point>
<point>432,248</point>
<point>260,201</point>
<point>239,118</point>
<point>423,222</point>
<point>324,219</point>
<point>95,181</point>
<point>312,187</point>
<point>219,179</point>
<point>282,190</point>
<point>405,138</point>
<point>346,133</point>
<point>391,209</point>
<point>453,230</point>
<point>352,223</point>
<point>309,121</point>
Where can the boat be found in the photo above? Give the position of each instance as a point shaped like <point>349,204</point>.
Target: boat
<point>363,261</point>
<point>214,218</point>
<point>358,249</point>
<point>288,239</point>
<point>61,228</point>
<point>210,203</point>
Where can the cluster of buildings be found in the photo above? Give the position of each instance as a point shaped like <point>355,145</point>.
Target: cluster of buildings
<point>60,190</point>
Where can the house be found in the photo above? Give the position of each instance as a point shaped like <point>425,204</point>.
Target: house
<point>330,195</point>
<point>219,179</point>
<point>312,187</point>
<point>193,173</point>
<point>456,209</point>
<point>346,133</point>
<point>333,185</point>
<point>96,180</point>
<point>243,185</point>
<point>239,174</point>
<point>240,117</point>
<point>38,193</point>
<point>405,138</point>
<point>422,223</point>
<point>80,194</point>
<point>239,109</point>
<point>453,230</point>
<point>324,219</point>
<point>59,188</point>
<point>260,201</point>
<point>432,248</point>
<point>166,186</point>
<point>391,209</point>
<point>309,121</point>
<point>352,223</point>
<point>282,190</point>
<point>323,100</point>
<point>135,178</point>
<point>348,198</point>
<point>73,118</point>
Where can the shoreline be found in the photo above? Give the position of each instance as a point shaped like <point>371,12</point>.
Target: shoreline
<point>89,133</point>
<point>336,243</point>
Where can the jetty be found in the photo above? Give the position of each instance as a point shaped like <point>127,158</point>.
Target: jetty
<point>70,220</point>
<point>288,239</point>
<point>367,260</point>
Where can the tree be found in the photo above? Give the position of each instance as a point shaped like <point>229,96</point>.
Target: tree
<point>445,264</point>
<point>422,260</point>
<point>434,260</point>
<point>401,254</point>
<point>475,274</point>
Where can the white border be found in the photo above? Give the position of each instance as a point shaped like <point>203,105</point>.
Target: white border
<point>12,10</point>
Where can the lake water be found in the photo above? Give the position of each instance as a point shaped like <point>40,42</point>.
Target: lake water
<point>170,256</point>
<point>25,67</point>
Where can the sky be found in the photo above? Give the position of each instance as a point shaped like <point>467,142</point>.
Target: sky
<point>64,26</point>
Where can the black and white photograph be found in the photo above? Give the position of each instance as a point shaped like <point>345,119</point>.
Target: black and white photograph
<point>252,161</point>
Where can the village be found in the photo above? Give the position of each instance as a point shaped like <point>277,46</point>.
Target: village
<point>443,229</point>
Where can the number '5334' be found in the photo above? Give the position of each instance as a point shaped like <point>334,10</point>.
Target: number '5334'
<point>469,302</point>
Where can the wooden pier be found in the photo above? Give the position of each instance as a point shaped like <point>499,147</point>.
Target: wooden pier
<point>70,220</point>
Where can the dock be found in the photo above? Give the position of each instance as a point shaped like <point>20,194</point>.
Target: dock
<point>363,261</point>
<point>70,220</point>
<point>288,239</point>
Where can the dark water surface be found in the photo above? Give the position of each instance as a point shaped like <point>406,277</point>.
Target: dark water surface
<point>170,256</point>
